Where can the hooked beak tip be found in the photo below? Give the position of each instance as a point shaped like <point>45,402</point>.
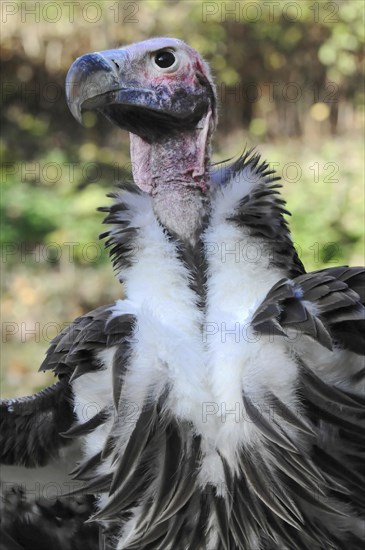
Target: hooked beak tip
<point>88,79</point>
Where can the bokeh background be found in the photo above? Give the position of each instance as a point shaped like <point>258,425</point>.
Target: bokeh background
<point>290,79</point>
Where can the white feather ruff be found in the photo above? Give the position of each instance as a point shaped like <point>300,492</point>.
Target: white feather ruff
<point>206,358</point>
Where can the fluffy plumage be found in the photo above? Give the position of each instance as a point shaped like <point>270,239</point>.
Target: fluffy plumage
<point>228,386</point>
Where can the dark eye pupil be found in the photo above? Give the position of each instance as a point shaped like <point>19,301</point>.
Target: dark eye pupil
<point>164,59</point>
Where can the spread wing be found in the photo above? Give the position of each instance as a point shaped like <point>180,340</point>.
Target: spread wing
<point>31,427</point>
<point>326,305</point>
<point>324,310</point>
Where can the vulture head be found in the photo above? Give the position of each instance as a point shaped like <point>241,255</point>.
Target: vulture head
<point>162,92</point>
<point>151,88</point>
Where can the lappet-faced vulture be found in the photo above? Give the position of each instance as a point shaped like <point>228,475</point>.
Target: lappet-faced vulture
<point>229,383</point>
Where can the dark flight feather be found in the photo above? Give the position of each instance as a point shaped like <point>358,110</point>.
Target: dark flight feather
<point>286,306</point>
<point>271,430</point>
<point>30,427</point>
<point>87,427</point>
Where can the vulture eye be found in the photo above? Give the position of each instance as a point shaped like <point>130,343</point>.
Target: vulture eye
<point>165,59</point>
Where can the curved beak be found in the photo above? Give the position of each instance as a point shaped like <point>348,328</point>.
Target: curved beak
<point>99,80</point>
<point>108,82</point>
<point>92,81</point>
<point>114,83</point>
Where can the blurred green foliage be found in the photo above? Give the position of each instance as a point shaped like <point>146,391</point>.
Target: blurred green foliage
<point>290,81</point>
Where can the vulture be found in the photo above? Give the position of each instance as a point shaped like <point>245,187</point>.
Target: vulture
<point>220,404</point>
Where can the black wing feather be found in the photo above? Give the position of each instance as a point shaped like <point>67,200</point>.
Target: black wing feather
<point>320,305</point>
<point>30,426</point>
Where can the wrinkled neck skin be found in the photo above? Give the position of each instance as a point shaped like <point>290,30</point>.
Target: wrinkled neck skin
<point>174,171</point>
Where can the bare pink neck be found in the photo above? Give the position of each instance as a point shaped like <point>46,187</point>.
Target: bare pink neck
<point>175,172</point>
